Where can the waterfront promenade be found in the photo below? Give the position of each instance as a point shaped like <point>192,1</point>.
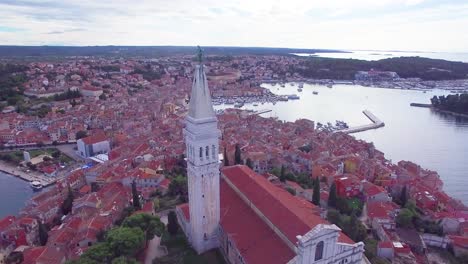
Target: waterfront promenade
<point>25,175</point>
<point>376,123</point>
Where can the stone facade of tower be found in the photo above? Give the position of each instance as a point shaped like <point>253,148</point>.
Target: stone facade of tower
<point>203,168</point>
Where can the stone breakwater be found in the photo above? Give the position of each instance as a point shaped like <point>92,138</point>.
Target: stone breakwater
<point>376,123</point>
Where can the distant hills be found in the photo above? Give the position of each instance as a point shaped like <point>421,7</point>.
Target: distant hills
<point>143,51</point>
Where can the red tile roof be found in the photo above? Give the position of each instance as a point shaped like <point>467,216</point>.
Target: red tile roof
<point>94,139</point>
<point>6,221</point>
<point>291,215</point>
<point>185,210</point>
<point>256,242</point>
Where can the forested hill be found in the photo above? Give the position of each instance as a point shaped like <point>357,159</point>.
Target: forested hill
<point>457,103</point>
<point>406,67</point>
<point>144,51</point>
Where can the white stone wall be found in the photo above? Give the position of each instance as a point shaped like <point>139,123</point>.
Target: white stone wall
<point>333,251</point>
<point>202,148</point>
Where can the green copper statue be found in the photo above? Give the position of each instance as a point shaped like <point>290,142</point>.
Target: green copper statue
<point>199,54</point>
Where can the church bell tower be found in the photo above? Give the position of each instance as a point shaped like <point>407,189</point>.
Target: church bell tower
<point>203,168</point>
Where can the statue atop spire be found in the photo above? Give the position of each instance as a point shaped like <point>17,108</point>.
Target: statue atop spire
<point>200,106</point>
<point>199,55</point>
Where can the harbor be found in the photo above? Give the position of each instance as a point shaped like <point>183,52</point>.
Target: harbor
<point>27,175</point>
<point>376,123</point>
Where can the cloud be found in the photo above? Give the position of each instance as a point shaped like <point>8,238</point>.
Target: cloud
<point>358,24</point>
<point>65,31</point>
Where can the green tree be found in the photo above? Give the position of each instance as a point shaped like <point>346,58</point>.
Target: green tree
<point>135,196</point>
<point>334,217</point>
<point>151,225</point>
<point>249,163</point>
<point>178,186</point>
<point>316,194</point>
<point>332,198</point>
<point>404,196</point>
<point>172,225</point>
<point>156,204</point>
<point>15,257</point>
<point>56,154</point>
<point>67,204</point>
<point>125,241</point>
<point>226,159</point>
<point>405,218</point>
<point>98,253</point>
<point>124,260</point>
<point>291,191</point>
<point>43,234</point>
<point>81,134</point>
<point>237,155</point>
<point>282,176</point>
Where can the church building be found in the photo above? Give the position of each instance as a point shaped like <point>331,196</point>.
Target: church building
<point>240,212</point>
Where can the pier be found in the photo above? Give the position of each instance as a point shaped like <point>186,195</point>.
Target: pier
<point>27,176</point>
<point>259,112</point>
<point>376,123</point>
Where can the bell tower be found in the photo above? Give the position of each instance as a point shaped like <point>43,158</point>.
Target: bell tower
<point>203,168</point>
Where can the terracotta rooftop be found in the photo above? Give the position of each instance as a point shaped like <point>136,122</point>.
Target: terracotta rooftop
<point>256,242</point>
<point>291,215</point>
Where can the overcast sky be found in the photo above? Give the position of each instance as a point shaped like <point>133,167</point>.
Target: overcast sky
<point>411,25</point>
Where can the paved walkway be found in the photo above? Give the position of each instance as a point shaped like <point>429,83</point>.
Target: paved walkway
<point>25,175</point>
<point>154,250</point>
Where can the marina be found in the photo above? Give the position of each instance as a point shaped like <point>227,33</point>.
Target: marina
<point>408,134</point>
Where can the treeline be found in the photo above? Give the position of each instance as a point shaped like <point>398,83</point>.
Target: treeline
<point>144,51</point>
<point>406,67</point>
<point>149,74</point>
<point>12,77</point>
<point>457,103</point>
<point>67,96</point>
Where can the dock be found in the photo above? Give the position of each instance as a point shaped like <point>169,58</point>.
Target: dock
<point>27,176</point>
<point>421,105</point>
<point>376,123</point>
<point>259,112</point>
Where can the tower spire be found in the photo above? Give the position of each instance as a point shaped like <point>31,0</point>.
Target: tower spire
<point>200,106</point>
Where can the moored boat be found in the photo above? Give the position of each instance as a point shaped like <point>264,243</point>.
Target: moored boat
<point>36,186</point>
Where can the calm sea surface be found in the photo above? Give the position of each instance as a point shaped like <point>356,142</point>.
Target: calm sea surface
<point>435,141</point>
<point>14,192</point>
<point>378,55</point>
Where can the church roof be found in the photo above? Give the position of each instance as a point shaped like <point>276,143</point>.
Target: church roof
<point>293,216</point>
<point>256,242</point>
<point>200,106</point>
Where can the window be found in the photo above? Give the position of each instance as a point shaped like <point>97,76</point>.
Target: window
<point>213,151</point>
<point>201,152</point>
<point>319,251</point>
<point>205,237</point>
<point>207,152</point>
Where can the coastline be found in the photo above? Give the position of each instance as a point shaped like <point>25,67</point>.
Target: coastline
<point>439,110</point>
<point>27,177</point>
<point>450,112</point>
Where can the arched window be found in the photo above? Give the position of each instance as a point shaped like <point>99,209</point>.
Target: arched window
<point>319,251</point>
<point>201,152</point>
<point>207,152</point>
<point>213,151</point>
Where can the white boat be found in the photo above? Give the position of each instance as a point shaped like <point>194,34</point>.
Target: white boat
<point>255,104</point>
<point>36,186</point>
<point>292,84</point>
<point>282,85</point>
<point>239,104</point>
<point>301,85</point>
<point>293,97</point>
